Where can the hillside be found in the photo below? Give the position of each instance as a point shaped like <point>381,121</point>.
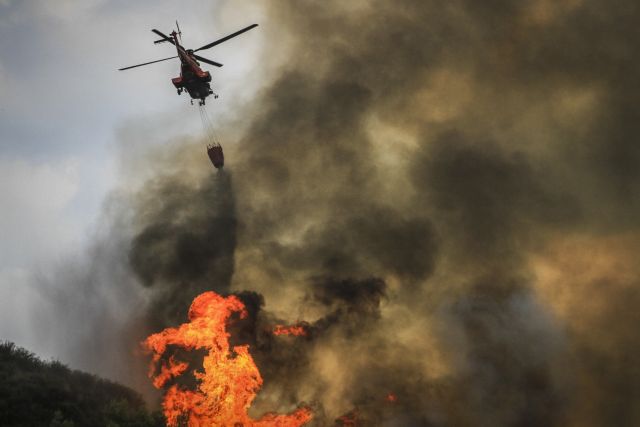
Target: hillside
<point>38,393</point>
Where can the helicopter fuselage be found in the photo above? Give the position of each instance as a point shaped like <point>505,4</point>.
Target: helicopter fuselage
<point>192,78</point>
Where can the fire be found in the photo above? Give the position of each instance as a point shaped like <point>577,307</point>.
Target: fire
<point>391,398</point>
<point>230,379</point>
<point>296,330</point>
<point>349,420</point>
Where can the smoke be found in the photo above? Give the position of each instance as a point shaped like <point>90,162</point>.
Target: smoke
<point>185,243</point>
<point>444,192</point>
<point>440,148</point>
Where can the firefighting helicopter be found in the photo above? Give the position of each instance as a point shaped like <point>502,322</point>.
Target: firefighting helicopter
<point>196,81</point>
<point>192,78</point>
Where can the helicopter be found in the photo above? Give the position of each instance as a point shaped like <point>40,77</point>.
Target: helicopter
<point>192,78</point>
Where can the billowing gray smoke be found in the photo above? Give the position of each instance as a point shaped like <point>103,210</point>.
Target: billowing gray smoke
<point>446,192</point>
<point>185,244</point>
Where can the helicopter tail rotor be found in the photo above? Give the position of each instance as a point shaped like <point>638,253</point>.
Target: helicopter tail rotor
<point>179,32</point>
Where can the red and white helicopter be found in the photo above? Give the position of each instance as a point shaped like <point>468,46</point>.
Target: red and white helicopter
<point>192,78</point>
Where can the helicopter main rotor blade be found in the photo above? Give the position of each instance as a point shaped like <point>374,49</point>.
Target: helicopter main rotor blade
<point>208,61</point>
<point>164,36</point>
<point>146,63</point>
<point>224,39</point>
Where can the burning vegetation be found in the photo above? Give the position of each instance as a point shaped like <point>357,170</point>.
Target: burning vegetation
<point>294,330</point>
<point>230,378</point>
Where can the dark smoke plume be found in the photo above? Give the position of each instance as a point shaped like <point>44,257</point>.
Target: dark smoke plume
<point>447,148</point>
<point>186,243</point>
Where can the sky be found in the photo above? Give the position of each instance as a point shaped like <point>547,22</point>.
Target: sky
<point>62,104</point>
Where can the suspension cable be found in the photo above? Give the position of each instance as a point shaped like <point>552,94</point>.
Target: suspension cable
<point>209,128</point>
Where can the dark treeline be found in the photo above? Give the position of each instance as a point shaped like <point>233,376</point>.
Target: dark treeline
<point>38,393</point>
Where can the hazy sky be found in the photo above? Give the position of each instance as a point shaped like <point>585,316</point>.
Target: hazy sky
<point>62,104</point>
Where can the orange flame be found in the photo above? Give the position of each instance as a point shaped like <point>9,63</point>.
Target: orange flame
<point>296,330</point>
<point>349,420</point>
<point>172,369</point>
<point>230,379</point>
